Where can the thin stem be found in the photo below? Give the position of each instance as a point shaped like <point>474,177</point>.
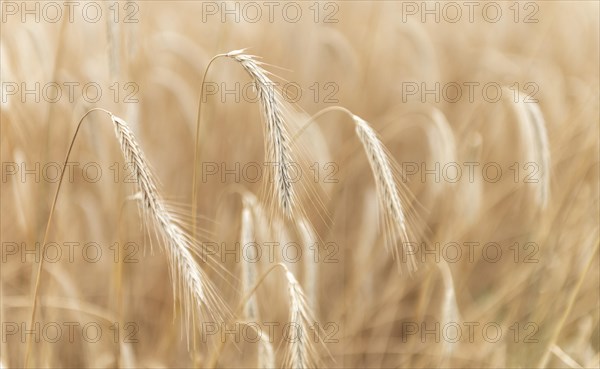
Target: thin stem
<point>118,276</point>
<point>41,264</point>
<point>194,175</point>
<point>197,141</point>
<point>317,115</point>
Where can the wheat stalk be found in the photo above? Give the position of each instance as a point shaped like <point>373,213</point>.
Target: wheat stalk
<point>248,269</point>
<point>449,309</point>
<point>276,135</point>
<point>187,276</point>
<point>311,267</point>
<point>564,357</point>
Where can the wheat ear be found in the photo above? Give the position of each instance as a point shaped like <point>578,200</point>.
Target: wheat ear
<point>386,185</point>
<point>391,208</point>
<point>276,135</point>
<point>185,273</point>
<point>187,276</point>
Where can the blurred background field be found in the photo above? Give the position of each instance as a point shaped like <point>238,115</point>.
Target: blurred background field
<point>535,290</point>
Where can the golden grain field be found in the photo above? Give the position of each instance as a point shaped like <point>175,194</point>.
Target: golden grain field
<point>344,184</point>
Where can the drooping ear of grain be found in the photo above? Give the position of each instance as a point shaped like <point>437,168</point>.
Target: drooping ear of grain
<point>391,207</point>
<point>188,278</point>
<point>276,135</point>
